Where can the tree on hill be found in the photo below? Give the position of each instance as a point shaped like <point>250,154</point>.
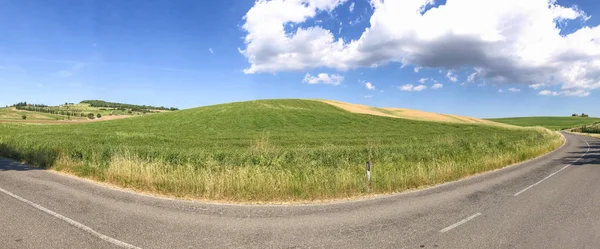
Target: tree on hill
<point>121,106</point>
<point>575,115</point>
<point>583,115</point>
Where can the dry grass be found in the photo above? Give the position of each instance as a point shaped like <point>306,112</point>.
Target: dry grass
<point>408,114</point>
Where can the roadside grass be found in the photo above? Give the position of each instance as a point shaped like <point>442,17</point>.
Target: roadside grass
<point>586,134</point>
<point>272,151</point>
<point>590,129</point>
<point>553,123</point>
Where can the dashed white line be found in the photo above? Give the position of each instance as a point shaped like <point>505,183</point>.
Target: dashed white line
<point>72,222</point>
<point>546,178</point>
<point>459,223</point>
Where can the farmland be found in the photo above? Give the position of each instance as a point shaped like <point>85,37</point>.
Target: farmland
<point>553,123</point>
<point>271,151</point>
<point>84,111</point>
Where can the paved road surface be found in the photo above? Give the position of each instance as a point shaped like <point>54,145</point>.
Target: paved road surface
<point>538,204</point>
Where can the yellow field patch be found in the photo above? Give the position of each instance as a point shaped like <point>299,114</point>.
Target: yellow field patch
<point>408,114</point>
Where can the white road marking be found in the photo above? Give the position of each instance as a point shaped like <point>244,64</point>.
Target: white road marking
<point>72,222</point>
<point>546,178</point>
<point>459,223</point>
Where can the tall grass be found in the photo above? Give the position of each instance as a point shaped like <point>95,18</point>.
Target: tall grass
<point>276,150</point>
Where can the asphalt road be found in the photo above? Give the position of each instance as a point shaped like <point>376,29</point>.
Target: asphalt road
<point>550,202</point>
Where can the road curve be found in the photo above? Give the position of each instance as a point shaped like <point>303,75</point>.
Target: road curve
<point>549,202</point>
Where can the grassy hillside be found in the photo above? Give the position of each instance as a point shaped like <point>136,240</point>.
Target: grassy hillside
<point>554,123</point>
<point>271,150</point>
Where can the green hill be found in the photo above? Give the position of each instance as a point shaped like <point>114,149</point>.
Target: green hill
<point>271,150</point>
<point>553,123</point>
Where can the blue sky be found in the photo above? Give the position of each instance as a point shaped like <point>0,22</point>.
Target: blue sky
<point>193,53</point>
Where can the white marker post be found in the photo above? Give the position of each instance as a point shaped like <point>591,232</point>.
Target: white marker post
<point>368,172</point>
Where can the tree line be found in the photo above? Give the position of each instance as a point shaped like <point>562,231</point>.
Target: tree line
<point>50,110</point>
<point>121,106</point>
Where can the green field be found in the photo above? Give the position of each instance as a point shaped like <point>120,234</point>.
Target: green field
<point>553,123</point>
<point>271,150</point>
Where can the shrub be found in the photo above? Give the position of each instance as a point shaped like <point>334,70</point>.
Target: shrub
<point>99,115</point>
<point>91,116</point>
<point>24,117</point>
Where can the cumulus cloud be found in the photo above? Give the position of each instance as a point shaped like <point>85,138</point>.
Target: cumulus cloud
<point>514,90</point>
<point>413,88</point>
<point>369,86</point>
<point>577,93</point>
<point>419,88</point>
<point>437,86</point>
<point>548,92</point>
<point>423,80</point>
<point>351,8</point>
<point>451,76</point>
<point>323,78</point>
<point>537,86</point>
<point>511,41</point>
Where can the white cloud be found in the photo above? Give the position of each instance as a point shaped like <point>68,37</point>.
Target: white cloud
<point>211,51</point>
<point>514,90</point>
<point>451,76</point>
<point>537,86</point>
<point>575,93</point>
<point>512,41</point>
<point>500,90</point>
<point>369,86</point>
<point>413,88</point>
<point>368,96</point>
<point>407,87</point>
<point>351,8</point>
<point>419,88</point>
<point>323,78</point>
<point>423,80</point>
<point>437,86</point>
<point>548,92</point>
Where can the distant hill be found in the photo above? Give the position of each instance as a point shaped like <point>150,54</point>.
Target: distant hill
<point>554,123</point>
<point>102,103</point>
<point>87,110</point>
